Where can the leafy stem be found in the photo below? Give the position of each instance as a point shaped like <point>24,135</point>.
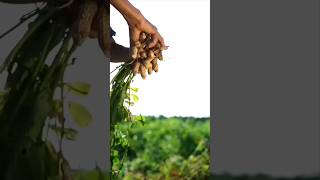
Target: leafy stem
<point>61,117</point>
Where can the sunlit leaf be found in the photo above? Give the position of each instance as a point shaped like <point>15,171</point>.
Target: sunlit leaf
<point>134,89</point>
<point>135,98</point>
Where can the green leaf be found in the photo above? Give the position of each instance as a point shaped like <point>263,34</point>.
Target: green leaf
<point>140,119</point>
<point>80,114</point>
<point>70,134</point>
<point>135,98</point>
<point>79,88</point>
<point>134,89</point>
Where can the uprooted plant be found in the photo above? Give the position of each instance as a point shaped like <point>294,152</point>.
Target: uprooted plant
<point>122,96</point>
<point>28,104</point>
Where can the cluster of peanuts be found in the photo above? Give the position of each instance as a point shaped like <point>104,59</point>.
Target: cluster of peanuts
<point>92,20</point>
<point>145,58</point>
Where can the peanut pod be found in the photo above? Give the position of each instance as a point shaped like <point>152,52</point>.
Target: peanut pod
<point>94,26</point>
<point>151,54</point>
<point>138,56</point>
<point>150,69</point>
<point>144,45</point>
<point>146,58</point>
<point>87,12</point>
<point>155,65</point>
<point>136,67</point>
<point>142,69</point>
<point>160,57</point>
<point>143,36</point>
<point>137,43</point>
<point>164,48</point>
<point>158,46</point>
<point>140,50</point>
<point>149,59</point>
<point>103,31</point>
<point>143,55</point>
<point>147,64</point>
<point>134,52</point>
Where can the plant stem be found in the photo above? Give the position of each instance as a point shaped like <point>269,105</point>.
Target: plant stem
<point>61,117</point>
<point>29,33</point>
<point>32,79</point>
<point>22,20</point>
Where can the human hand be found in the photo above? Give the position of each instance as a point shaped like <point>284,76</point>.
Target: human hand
<point>137,23</point>
<point>145,26</point>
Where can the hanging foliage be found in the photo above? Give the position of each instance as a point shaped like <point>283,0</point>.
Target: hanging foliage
<point>27,104</point>
<point>122,96</point>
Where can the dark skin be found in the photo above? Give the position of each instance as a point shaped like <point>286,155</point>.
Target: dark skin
<point>137,23</point>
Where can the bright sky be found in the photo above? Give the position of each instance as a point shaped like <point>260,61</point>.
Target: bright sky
<point>182,85</point>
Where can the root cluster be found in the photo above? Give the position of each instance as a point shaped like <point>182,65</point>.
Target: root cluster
<point>93,21</point>
<point>145,58</point>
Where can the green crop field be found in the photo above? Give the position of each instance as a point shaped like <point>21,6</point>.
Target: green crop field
<point>167,148</point>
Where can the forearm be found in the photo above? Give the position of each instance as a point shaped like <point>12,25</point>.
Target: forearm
<point>132,15</point>
<point>119,53</point>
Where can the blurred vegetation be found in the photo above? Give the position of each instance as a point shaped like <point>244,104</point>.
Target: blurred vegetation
<point>175,148</point>
<point>260,177</point>
<point>167,148</point>
<point>98,175</point>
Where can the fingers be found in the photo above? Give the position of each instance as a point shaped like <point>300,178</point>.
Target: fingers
<point>150,29</point>
<point>155,39</point>
<point>161,40</point>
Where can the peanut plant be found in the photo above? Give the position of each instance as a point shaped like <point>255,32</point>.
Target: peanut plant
<point>28,107</point>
